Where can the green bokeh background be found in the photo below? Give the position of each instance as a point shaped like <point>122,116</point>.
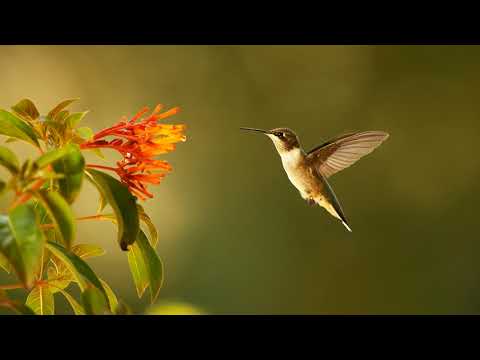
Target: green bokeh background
<point>235,235</point>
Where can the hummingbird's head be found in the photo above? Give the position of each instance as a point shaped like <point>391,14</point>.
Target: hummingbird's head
<point>284,139</point>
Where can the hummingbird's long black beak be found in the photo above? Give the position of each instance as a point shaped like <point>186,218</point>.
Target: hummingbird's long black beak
<point>253,129</point>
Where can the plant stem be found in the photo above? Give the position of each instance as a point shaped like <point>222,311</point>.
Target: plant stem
<point>11,286</point>
<point>40,274</point>
<point>25,197</point>
<point>93,166</point>
<point>91,217</point>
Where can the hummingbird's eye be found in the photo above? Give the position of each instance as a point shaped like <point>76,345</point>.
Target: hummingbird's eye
<point>280,135</point>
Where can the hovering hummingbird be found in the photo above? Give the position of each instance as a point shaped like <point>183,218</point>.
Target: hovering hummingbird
<point>308,172</point>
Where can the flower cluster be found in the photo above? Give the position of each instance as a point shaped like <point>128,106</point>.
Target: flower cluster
<point>139,140</point>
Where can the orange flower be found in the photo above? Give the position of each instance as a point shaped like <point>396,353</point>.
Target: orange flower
<point>138,140</point>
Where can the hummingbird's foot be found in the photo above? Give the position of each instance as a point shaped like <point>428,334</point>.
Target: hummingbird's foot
<point>311,202</point>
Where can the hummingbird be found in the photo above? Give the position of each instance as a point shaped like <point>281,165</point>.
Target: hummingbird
<point>309,172</point>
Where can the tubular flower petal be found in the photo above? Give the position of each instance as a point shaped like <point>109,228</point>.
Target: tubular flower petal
<point>138,140</point>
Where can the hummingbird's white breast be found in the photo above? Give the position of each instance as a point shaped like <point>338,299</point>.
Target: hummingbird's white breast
<point>294,164</point>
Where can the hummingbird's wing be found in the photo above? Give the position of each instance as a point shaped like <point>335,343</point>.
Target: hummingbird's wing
<point>341,152</point>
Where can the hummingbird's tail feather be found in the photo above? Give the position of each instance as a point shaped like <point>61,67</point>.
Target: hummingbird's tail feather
<point>346,225</point>
<point>330,202</point>
<point>335,211</point>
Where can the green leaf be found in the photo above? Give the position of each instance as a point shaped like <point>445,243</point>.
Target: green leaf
<point>83,274</point>
<point>9,160</point>
<point>26,168</point>
<point>51,156</point>
<point>60,213</point>
<point>86,251</point>
<point>20,308</point>
<point>77,308</point>
<point>123,309</point>
<point>174,308</point>
<point>41,301</point>
<point>41,212</point>
<point>10,140</point>
<point>94,302</point>
<point>138,269</point>
<point>145,266</point>
<point>4,264</point>
<point>53,113</point>
<point>101,203</point>
<point>14,305</point>
<point>13,126</point>
<point>123,204</point>
<point>59,275</point>
<point>151,227</point>
<point>54,129</point>
<point>112,298</point>
<point>60,118</point>
<point>73,119</point>
<point>21,242</point>
<point>84,132</point>
<point>29,239</point>
<point>26,108</point>
<point>71,166</point>
<point>98,153</point>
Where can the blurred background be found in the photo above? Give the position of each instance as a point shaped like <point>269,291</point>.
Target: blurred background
<point>235,235</point>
